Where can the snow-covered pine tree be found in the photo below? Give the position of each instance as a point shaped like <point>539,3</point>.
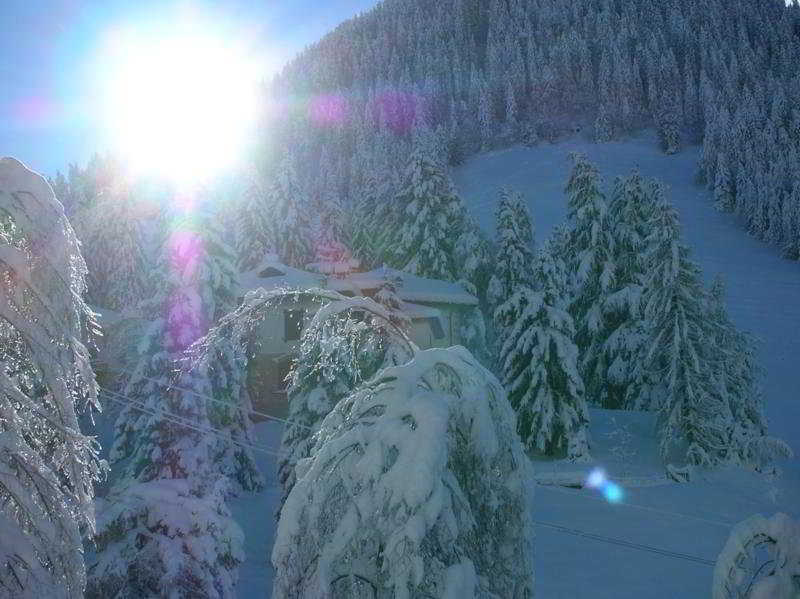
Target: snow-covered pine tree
<point>217,271</point>
<point>590,257</point>
<point>539,362</point>
<point>603,131</point>
<point>47,467</point>
<point>353,526</point>
<point>345,344</point>
<point>379,216</point>
<point>110,229</point>
<point>512,111</point>
<point>229,407</point>
<point>290,223</point>
<point>736,379</point>
<point>679,354</point>
<point>423,238</point>
<point>367,230</point>
<point>167,530</point>
<point>254,223</point>
<point>616,344</point>
<point>181,433</point>
<point>513,259</point>
<point>667,104</point>
<point>483,106</point>
<point>194,282</point>
<point>667,122</point>
<point>723,190</point>
<point>760,560</point>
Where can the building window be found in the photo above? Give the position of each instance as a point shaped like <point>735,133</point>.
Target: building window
<point>436,327</point>
<point>293,324</point>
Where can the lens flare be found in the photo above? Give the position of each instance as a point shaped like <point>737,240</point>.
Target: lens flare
<point>597,479</point>
<point>612,492</point>
<point>179,104</point>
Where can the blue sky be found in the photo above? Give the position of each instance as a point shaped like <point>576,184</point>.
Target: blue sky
<point>49,53</point>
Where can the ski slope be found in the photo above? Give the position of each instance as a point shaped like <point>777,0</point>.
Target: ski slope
<point>691,519</point>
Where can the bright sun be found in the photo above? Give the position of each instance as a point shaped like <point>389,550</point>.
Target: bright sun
<point>182,107</point>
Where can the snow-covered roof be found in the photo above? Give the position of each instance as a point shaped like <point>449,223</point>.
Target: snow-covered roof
<point>271,274</point>
<point>343,285</point>
<point>412,288</point>
<point>419,312</point>
<point>342,267</point>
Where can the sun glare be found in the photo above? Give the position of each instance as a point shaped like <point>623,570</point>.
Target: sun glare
<point>181,106</point>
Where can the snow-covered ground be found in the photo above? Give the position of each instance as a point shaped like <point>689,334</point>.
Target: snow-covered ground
<point>694,518</point>
<point>661,540</point>
<point>255,513</point>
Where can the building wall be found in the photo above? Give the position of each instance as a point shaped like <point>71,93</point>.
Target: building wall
<point>271,338</point>
<point>422,332</point>
<point>270,335</point>
<point>267,385</point>
<point>272,352</point>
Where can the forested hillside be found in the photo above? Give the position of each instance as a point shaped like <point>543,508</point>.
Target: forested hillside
<point>480,74</point>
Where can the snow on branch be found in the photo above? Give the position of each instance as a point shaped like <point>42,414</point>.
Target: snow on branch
<point>760,560</point>
<point>47,467</point>
<point>415,486</point>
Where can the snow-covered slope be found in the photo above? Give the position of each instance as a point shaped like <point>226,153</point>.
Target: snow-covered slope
<point>660,542</point>
<point>692,519</point>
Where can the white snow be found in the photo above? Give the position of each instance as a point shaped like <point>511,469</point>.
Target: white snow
<point>255,514</point>
<point>735,566</point>
<point>415,288</point>
<point>279,276</point>
<point>693,518</point>
<point>412,288</point>
<point>415,460</point>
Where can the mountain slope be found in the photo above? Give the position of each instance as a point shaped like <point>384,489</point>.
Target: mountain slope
<point>482,73</point>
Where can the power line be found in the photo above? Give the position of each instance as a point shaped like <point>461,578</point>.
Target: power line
<point>176,419</point>
<point>576,532</point>
<point>633,505</point>
<point>208,398</point>
<point>119,397</point>
<point>628,544</point>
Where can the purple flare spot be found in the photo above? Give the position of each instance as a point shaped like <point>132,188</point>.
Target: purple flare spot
<point>186,321</point>
<point>397,110</point>
<point>329,109</point>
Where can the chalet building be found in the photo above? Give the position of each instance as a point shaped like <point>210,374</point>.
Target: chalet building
<point>434,307</point>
